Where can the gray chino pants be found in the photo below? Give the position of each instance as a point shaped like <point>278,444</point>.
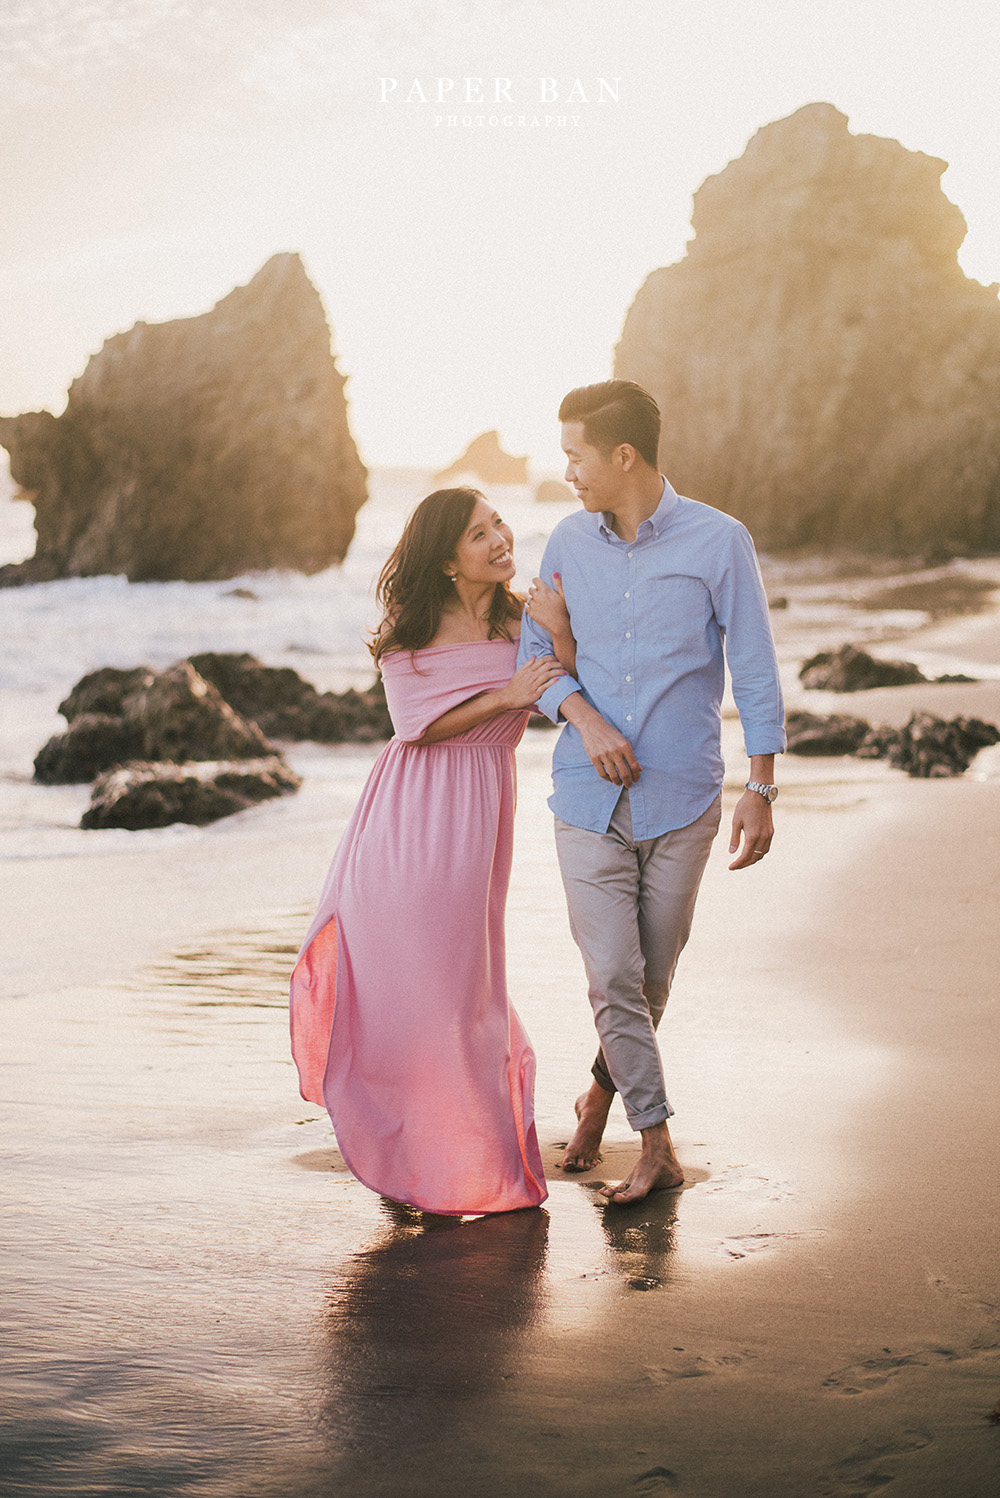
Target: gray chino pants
<point>630,910</point>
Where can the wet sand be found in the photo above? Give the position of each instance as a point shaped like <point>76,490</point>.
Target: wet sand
<point>201,1300</point>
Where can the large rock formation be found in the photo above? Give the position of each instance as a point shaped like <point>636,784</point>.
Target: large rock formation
<point>200,448</point>
<point>486,460</point>
<point>826,371</point>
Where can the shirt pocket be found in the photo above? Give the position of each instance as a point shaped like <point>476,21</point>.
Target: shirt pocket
<point>674,612</point>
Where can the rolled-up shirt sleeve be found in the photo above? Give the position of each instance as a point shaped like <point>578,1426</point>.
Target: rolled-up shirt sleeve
<point>740,604</point>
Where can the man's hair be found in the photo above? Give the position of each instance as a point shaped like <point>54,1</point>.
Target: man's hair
<point>613,412</point>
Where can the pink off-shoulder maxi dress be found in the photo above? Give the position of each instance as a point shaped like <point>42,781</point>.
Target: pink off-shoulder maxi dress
<point>400,1018</point>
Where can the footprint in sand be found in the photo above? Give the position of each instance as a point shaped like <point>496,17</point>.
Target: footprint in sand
<point>692,1366</point>
<point>870,1468</point>
<point>875,1372</point>
<point>750,1243</point>
<point>749,1180</point>
<point>656,1480</point>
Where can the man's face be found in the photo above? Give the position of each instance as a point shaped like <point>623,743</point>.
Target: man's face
<point>596,479</point>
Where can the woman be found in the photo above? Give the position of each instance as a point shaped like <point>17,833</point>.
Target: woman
<point>401,1023</point>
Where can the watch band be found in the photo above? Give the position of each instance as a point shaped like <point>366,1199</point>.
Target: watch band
<point>769,792</point>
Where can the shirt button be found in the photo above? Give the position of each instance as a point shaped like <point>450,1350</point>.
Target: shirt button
<point>631,554</point>
<point>628,717</point>
<point>628,634</point>
<point>628,595</point>
<point>628,678</point>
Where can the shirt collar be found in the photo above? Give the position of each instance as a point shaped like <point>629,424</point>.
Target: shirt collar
<point>654,526</point>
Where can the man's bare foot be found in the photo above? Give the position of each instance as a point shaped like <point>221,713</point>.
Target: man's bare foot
<point>657,1169</point>
<point>584,1150</point>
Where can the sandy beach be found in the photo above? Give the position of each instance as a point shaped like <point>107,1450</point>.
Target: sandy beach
<point>201,1300</point>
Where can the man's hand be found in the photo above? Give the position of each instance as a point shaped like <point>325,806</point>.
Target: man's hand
<point>753,821</point>
<point>609,752</point>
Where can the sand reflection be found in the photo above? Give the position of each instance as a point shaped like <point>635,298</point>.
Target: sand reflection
<point>642,1239</point>
<point>423,1328</point>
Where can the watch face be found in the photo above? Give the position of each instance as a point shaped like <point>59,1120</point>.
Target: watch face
<point>769,792</point>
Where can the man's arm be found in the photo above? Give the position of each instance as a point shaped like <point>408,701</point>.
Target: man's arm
<point>740,604</point>
<point>741,607</point>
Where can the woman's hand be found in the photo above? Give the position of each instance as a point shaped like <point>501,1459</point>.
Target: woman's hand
<point>527,684</point>
<point>547,606</point>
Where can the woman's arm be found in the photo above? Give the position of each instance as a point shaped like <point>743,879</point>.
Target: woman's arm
<point>522,691</point>
<point>547,607</point>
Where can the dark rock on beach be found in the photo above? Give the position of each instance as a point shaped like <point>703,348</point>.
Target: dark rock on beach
<point>878,742</point>
<point>200,448</point>
<point>276,698</point>
<point>351,717</point>
<point>157,795</point>
<point>285,706</point>
<point>827,372</point>
<point>172,715</point>
<point>929,747</point>
<point>213,707</point>
<point>851,669</point>
<point>108,690</point>
<point>818,734</point>
<point>180,716</point>
<point>93,742</point>
<point>925,747</point>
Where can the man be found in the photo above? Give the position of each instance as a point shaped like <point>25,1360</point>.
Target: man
<point>655,586</point>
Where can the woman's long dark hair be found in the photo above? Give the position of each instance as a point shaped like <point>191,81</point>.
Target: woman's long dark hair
<point>413,587</point>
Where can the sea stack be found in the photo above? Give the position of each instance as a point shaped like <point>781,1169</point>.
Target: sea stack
<point>486,460</point>
<point>200,448</point>
<point>825,370</point>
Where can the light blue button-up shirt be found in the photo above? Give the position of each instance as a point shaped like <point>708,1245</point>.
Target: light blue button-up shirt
<point>651,618</point>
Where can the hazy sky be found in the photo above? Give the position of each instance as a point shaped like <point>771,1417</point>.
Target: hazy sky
<point>156,152</point>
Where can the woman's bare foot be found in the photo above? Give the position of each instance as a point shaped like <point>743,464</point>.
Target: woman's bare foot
<point>584,1150</point>
<point>657,1169</point>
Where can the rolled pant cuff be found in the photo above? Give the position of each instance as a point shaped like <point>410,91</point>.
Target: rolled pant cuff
<point>657,1115</point>
<point>602,1077</point>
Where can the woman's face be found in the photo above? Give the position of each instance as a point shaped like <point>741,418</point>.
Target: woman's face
<point>484,553</point>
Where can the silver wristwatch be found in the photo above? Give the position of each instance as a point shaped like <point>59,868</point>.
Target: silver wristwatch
<point>769,792</point>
